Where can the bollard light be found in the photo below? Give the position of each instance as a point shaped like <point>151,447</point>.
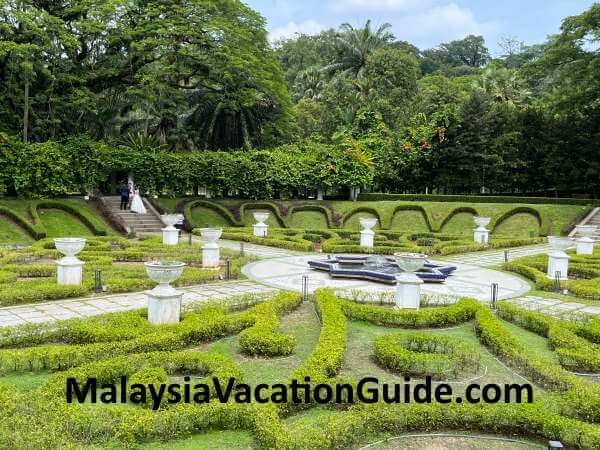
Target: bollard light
<point>555,445</point>
<point>228,269</point>
<point>98,281</point>
<point>305,288</point>
<point>557,277</point>
<point>494,295</point>
<point>505,255</point>
<point>190,239</point>
<point>241,249</point>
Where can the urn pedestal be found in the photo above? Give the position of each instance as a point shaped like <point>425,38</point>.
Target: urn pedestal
<point>367,235</point>
<point>69,270</point>
<point>408,287</point>
<point>261,229</point>
<point>585,243</point>
<point>558,260</point>
<point>170,234</point>
<point>481,234</point>
<point>211,256</point>
<point>164,301</point>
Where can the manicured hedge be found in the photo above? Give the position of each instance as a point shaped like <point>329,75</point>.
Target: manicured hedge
<point>371,197</point>
<point>263,338</point>
<point>425,355</point>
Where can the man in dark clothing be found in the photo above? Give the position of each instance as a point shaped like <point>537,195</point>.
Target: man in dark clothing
<point>124,195</point>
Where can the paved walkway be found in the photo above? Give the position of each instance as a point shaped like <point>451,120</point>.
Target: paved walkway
<point>260,251</point>
<point>496,257</point>
<point>468,280</point>
<point>555,307</point>
<point>91,306</point>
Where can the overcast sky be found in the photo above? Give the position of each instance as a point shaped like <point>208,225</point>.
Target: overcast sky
<point>424,23</point>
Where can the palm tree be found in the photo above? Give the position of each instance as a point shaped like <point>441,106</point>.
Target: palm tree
<point>309,84</point>
<point>503,85</point>
<point>355,45</point>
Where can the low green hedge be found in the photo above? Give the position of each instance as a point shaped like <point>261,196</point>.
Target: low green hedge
<point>567,339</point>
<point>425,355</point>
<point>372,197</point>
<point>444,316</point>
<point>263,338</point>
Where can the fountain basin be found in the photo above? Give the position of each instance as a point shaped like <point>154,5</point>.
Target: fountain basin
<point>378,268</point>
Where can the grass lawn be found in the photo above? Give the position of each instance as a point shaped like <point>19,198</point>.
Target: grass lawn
<point>60,224</point>
<point>555,217</point>
<point>11,233</point>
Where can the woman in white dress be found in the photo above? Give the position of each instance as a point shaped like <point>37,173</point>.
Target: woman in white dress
<point>137,205</point>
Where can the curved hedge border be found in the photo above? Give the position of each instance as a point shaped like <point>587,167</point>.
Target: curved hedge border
<point>362,209</point>
<point>36,231</point>
<point>316,208</point>
<point>263,338</point>
<point>454,212</point>
<point>426,216</point>
<point>223,212</point>
<point>271,207</point>
<point>544,226</point>
<point>422,355</point>
<point>79,214</point>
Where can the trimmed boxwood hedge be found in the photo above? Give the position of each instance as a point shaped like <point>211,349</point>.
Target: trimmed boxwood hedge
<point>372,197</point>
<point>49,422</point>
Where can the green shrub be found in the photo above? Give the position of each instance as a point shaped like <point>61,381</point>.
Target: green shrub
<point>422,355</point>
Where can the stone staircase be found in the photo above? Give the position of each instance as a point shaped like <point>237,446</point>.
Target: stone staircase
<point>144,223</point>
<point>593,218</point>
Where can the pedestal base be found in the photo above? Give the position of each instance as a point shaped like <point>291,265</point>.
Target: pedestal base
<point>408,291</point>
<point>367,238</point>
<point>210,256</point>
<point>164,308</point>
<point>481,236</point>
<point>585,246</point>
<point>558,262</point>
<point>261,230</point>
<point>170,236</point>
<point>69,270</point>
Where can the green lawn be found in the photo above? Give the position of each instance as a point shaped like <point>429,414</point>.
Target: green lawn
<point>11,233</point>
<point>60,224</point>
<point>555,217</point>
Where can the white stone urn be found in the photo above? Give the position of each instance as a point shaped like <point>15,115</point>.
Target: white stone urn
<point>164,301</point>
<point>585,242</point>
<point>481,234</point>
<point>69,269</point>
<point>558,260</point>
<point>367,235</point>
<point>408,287</point>
<point>170,234</point>
<point>261,228</point>
<point>210,249</point>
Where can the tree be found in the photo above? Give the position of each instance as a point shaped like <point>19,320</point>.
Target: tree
<point>459,57</point>
<point>354,45</point>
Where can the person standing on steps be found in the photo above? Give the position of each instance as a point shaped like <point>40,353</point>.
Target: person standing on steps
<point>124,191</point>
<point>137,205</point>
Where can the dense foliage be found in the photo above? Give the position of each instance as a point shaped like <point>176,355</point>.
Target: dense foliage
<point>179,75</point>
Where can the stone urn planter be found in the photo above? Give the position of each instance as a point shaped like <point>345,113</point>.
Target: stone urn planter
<point>367,235</point>
<point>164,301</point>
<point>408,288</point>
<point>170,234</point>
<point>260,227</point>
<point>210,249</point>
<point>558,260</point>
<point>481,234</point>
<point>585,242</point>
<point>69,269</point>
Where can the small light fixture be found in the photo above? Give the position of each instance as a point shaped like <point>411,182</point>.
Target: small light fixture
<point>555,445</point>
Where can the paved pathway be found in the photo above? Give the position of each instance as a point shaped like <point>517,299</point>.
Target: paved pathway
<point>91,306</point>
<point>555,307</point>
<point>468,280</point>
<point>496,257</point>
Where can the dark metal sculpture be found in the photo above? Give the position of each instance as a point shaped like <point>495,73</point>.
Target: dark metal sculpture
<point>377,268</point>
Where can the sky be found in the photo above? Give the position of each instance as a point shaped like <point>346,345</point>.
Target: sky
<point>424,23</point>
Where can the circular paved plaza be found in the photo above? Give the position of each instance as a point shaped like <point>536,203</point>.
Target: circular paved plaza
<point>467,281</point>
